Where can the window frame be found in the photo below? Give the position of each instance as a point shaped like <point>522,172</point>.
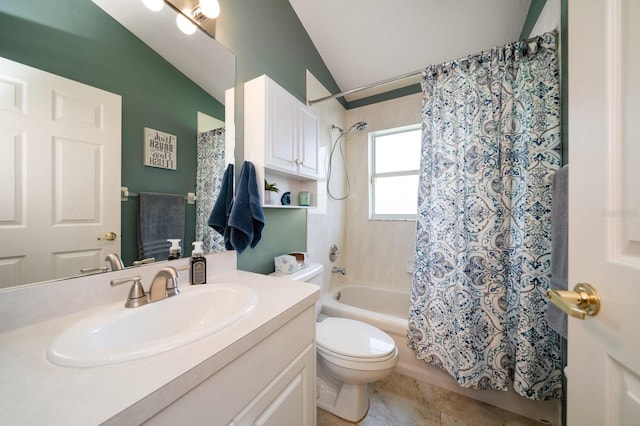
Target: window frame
<point>373,176</point>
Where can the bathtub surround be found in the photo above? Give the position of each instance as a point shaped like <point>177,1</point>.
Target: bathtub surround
<point>377,252</point>
<point>325,223</point>
<point>491,142</point>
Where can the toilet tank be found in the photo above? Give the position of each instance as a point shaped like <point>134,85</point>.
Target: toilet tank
<point>312,274</point>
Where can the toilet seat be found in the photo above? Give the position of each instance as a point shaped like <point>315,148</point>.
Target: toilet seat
<point>353,340</point>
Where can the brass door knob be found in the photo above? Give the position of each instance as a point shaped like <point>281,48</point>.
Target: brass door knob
<point>579,303</point>
<point>109,236</point>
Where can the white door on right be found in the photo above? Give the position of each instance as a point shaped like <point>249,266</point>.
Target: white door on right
<point>603,368</point>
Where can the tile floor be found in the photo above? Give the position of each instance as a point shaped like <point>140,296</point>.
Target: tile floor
<point>403,401</point>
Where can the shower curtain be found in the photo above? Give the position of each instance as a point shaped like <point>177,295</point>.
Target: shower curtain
<point>490,145</point>
<point>210,170</point>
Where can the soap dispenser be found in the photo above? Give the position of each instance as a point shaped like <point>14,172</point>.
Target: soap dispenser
<point>198,273</point>
<point>174,250</point>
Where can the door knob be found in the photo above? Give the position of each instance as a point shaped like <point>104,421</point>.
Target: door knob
<point>579,303</point>
<point>109,236</point>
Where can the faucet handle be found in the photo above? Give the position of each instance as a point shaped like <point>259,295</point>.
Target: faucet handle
<point>92,270</point>
<point>137,296</point>
<point>144,261</point>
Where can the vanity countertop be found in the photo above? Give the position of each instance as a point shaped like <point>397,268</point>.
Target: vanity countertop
<point>34,391</point>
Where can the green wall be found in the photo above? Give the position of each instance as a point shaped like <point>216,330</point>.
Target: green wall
<point>268,38</point>
<point>535,9</point>
<point>77,40</point>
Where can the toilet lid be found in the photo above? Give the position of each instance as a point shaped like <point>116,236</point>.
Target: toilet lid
<point>353,338</point>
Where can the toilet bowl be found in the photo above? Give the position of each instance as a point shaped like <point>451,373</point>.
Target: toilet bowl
<point>350,354</point>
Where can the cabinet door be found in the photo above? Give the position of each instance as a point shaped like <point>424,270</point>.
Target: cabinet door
<point>308,143</point>
<point>281,152</point>
<point>289,400</point>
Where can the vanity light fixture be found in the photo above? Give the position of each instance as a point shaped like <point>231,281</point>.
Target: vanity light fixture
<point>184,23</point>
<point>206,9</point>
<point>187,18</point>
<point>210,8</point>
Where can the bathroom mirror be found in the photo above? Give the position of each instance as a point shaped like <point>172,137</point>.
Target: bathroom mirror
<point>81,41</point>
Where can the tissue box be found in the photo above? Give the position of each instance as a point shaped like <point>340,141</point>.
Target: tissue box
<point>301,257</point>
<point>288,264</point>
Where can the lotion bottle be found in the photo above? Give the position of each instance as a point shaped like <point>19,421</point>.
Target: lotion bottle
<point>174,250</point>
<point>198,271</point>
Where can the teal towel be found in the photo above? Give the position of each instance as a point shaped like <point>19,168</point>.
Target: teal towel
<point>246,220</point>
<point>219,218</point>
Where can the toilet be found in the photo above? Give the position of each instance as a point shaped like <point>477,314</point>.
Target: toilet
<point>349,353</point>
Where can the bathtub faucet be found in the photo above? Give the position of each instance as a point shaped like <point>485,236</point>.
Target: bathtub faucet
<point>335,270</point>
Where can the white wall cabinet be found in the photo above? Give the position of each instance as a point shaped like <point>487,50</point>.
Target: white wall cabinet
<point>281,138</point>
<point>272,383</point>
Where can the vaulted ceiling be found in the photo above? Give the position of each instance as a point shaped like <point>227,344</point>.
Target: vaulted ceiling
<point>366,41</point>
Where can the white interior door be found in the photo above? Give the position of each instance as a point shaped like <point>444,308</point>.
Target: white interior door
<point>59,175</point>
<point>603,371</point>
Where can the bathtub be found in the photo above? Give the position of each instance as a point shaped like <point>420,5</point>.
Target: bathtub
<point>388,310</point>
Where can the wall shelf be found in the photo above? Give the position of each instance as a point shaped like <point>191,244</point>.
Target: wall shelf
<point>281,139</point>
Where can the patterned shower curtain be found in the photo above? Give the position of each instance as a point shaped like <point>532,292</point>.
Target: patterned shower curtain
<point>210,170</point>
<point>490,145</point>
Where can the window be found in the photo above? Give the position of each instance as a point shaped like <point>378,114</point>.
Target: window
<point>394,170</point>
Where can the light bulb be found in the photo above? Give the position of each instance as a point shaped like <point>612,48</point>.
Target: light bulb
<point>185,25</point>
<point>155,5</point>
<point>210,8</point>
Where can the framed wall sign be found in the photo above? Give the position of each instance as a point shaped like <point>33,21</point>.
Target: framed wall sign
<point>160,149</point>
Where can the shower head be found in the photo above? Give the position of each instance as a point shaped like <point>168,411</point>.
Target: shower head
<point>361,125</point>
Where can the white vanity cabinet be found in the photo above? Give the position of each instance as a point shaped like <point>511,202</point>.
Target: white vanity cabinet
<point>281,137</point>
<point>273,383</point>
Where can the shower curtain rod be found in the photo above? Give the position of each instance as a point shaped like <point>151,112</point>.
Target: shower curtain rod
<point>392,79</point>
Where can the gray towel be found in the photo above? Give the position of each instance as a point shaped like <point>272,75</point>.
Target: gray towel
<point>559,247</point>
<point>160,217</point>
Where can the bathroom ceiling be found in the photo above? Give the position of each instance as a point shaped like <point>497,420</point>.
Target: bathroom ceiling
<point>366,41</point>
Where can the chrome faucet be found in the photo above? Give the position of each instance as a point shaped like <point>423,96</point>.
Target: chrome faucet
<point>114,262</point>
<point>164,284</point>
<point>335,270</point>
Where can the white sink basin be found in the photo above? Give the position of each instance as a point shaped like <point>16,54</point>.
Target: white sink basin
<point>117,334</point>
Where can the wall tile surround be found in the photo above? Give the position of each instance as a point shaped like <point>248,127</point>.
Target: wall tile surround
<point>377,251</point>
<point>326,223</point>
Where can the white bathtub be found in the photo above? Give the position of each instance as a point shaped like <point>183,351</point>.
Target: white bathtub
<point>388,310</point>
